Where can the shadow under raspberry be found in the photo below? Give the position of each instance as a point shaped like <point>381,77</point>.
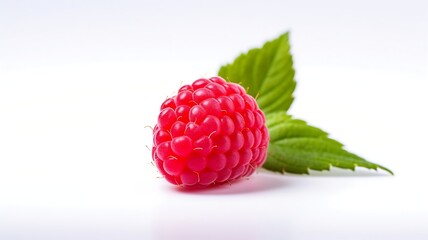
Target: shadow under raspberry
<point>259,182</point>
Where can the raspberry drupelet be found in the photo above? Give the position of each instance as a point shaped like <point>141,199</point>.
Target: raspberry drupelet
<point>211,132</point>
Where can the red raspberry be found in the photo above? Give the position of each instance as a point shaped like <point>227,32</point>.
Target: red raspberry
<point>212,131</point>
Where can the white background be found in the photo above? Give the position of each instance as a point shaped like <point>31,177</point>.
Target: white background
<point>80,80</point>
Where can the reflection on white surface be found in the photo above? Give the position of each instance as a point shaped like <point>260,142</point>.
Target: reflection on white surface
<point>265,205</point>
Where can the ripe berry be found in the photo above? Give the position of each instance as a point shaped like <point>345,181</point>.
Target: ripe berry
<point>211,132</point>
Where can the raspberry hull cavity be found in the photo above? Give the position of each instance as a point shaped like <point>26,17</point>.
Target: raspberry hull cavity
<point>211,132</point>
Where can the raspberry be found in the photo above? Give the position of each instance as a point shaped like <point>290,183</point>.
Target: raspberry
<point>211,132</point>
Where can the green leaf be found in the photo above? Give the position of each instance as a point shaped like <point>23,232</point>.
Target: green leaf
<point>267,73</point>
<point>296,147</point>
